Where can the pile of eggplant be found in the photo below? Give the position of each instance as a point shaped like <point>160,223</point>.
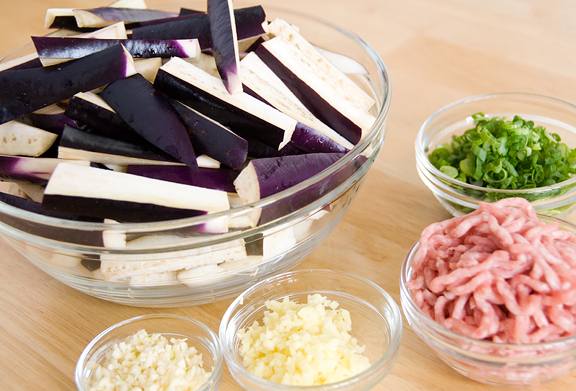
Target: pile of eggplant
<point>129,114</point>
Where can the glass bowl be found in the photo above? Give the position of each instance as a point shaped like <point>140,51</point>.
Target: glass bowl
<point>298,219</point>
<point>459,198</point>
<point>488,362</point>
<point>169,326</point>
<point>375,316</point>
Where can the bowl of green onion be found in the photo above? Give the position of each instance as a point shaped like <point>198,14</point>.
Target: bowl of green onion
<point>489,147</point>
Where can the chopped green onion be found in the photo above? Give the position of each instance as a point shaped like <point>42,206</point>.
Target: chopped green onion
<point>505,154</point>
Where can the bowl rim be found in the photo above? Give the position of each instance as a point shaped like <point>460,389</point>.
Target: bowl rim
<point>370,372</point>
<point>422,157</point>
<point>382,105</point>
<point>218,357</point>
<point>407,300</point>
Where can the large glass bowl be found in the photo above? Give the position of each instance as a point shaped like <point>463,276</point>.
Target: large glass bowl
<point>298,219</point>
<point>376,323</point>
<point>459,198</point>
<point>527,364</point>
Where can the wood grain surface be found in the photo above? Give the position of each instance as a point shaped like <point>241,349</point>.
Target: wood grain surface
<point>437,51</point>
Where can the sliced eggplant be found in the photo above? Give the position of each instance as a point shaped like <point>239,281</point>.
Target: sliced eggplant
<point>25,62</point>
<point>148,67</point>
<point>27,90</point>
<point>249,23</point>
<point>29,170</point>
<point>225,43</point>
<point>126,198</point>
<point>245,115</point>
<point>17,138</point>
<point>159,123</point>
<point>276,96</point>
<point>217,179</point>
<point>358,96</point>
<point>51,118</point>
<point>257,150</point>
<point>77,144</point>
<point>254,182</point>
<point>90,109</point>
<point>213,139</point>
<point>52,49</point>
<point>321,95</point>
<point>264,177</point>
<point>103,16</point>
<point>79,236</point>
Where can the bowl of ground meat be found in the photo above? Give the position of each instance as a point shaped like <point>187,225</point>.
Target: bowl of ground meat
<point>493,293</point>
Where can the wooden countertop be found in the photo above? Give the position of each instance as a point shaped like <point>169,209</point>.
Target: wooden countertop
<point>437,51</point>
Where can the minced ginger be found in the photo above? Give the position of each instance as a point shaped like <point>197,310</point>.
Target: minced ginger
<point>302,344</point>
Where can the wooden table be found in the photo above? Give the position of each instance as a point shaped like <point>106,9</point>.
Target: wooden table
<point>437,51</point>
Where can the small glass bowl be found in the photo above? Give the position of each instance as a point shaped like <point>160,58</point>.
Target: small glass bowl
<point>198,335</point>
<point>489,362</point>
<point>459,198</point>
<point>376,323</point>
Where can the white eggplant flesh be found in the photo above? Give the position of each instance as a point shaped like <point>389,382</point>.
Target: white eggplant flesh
<point>17,138</point>
<point>359,97</point>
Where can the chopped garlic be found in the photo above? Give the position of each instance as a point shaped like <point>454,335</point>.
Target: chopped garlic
<point>302,344</point>
<point>149,362</point>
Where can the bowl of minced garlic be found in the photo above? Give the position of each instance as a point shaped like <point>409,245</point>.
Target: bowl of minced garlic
<point>152,352</point>
<point>322,328</point>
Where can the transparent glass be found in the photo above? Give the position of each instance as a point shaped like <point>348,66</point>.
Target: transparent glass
<point>197,334</point>
<point>376,323</point>
<point>459,198</point>
<point>297,219</point>
<point>484,361</point>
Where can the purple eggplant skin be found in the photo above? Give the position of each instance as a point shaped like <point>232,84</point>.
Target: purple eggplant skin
<point>68,23</point>
<point>248,24</point>
<point>88,237</point>
<point>225,43</point>
<point>309,194</point>
<point>188,11</point>
<point>53,123</point>
<point>211,178</point>
<point>211,138</point>
<point>238,121</point>
<point>27,90</point>
<point>312,141</point>
<point>121,211</point>
<point>277,174</point>
<point>310,98</point>
<point>101,120</point>
<point>159,123</point>
<point>26,170</point>
<point>30,64</point>
<point>258,150</point>
<point>74,138</point>
<point>73,47</point>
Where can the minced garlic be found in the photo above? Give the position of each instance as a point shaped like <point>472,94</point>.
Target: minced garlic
<point>149,362</point>
<point>302,344</point>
